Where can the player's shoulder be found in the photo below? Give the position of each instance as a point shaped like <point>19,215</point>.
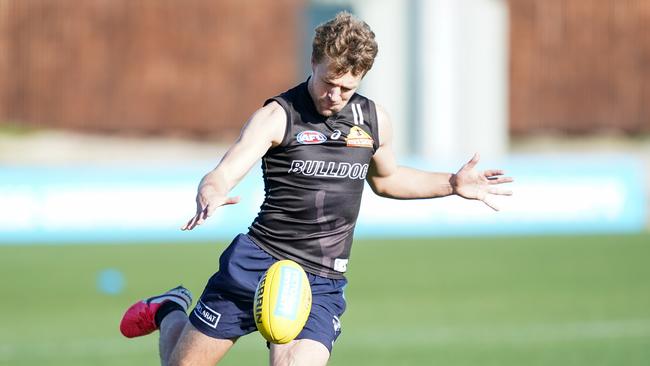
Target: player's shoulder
<point>269,120</point>
<point>382,114</point>
<point>273,107</point>
<point>272,111</point>
<point>384,124</point>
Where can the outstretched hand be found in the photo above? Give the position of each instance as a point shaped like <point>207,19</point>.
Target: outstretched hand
<point>207,201</point>
<point>472,184</point>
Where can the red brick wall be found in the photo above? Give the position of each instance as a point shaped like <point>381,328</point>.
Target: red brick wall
<point>191,67</point>
<point>580,66</point>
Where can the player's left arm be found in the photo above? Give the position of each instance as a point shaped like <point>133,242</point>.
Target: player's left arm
<point>388,179</point>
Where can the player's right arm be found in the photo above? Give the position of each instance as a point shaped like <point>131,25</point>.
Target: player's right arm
<point>264,130</point>
<point>388,179</point>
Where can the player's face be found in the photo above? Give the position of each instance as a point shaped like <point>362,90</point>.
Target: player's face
<point>331,92</point>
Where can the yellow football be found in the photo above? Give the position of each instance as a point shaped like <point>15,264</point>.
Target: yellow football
<point>282,302</point>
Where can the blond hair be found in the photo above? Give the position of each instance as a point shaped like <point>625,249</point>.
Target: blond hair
<point>347,42</point>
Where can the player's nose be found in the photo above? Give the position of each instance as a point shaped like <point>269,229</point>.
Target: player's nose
<point>334,95</point>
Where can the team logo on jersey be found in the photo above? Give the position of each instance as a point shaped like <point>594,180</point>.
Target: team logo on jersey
<point>358,138</point>
<point>320,168</point>
<point>311,137</point>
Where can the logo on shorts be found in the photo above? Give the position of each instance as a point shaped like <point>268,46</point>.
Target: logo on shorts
<point>207,315</point>
<point>336,322</point>
<point>311,137</point>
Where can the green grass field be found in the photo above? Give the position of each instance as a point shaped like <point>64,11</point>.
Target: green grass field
<point>496,301</point>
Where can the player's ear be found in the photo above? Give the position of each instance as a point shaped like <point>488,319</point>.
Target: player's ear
<point>313,65</point>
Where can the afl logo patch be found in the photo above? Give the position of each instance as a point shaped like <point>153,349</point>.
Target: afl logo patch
<point>311,137</point>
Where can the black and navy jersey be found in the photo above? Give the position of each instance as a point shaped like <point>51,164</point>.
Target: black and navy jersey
<point>313,182</point>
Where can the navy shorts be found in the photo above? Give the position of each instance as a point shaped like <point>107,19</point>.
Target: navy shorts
<point>225,309</point>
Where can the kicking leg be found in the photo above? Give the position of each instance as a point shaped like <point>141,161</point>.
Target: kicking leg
<point>197,349</point>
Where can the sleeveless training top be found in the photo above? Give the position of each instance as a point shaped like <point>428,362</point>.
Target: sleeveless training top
<point>313,182</point>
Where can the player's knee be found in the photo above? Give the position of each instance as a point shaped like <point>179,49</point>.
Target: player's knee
<point>184,362</point>
<point>175,359</point>
<point>179,358</point>
<point>196,349</point>
<point>282,355</point>
<point>303,352</point>
<point>188,350</point>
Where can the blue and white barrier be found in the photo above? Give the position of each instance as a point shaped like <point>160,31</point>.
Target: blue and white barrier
<point>553,195</point>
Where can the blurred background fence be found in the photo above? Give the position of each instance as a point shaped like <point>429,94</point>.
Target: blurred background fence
<point>195,68</point>
<point>580,67</point>
<point>198,68</point>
